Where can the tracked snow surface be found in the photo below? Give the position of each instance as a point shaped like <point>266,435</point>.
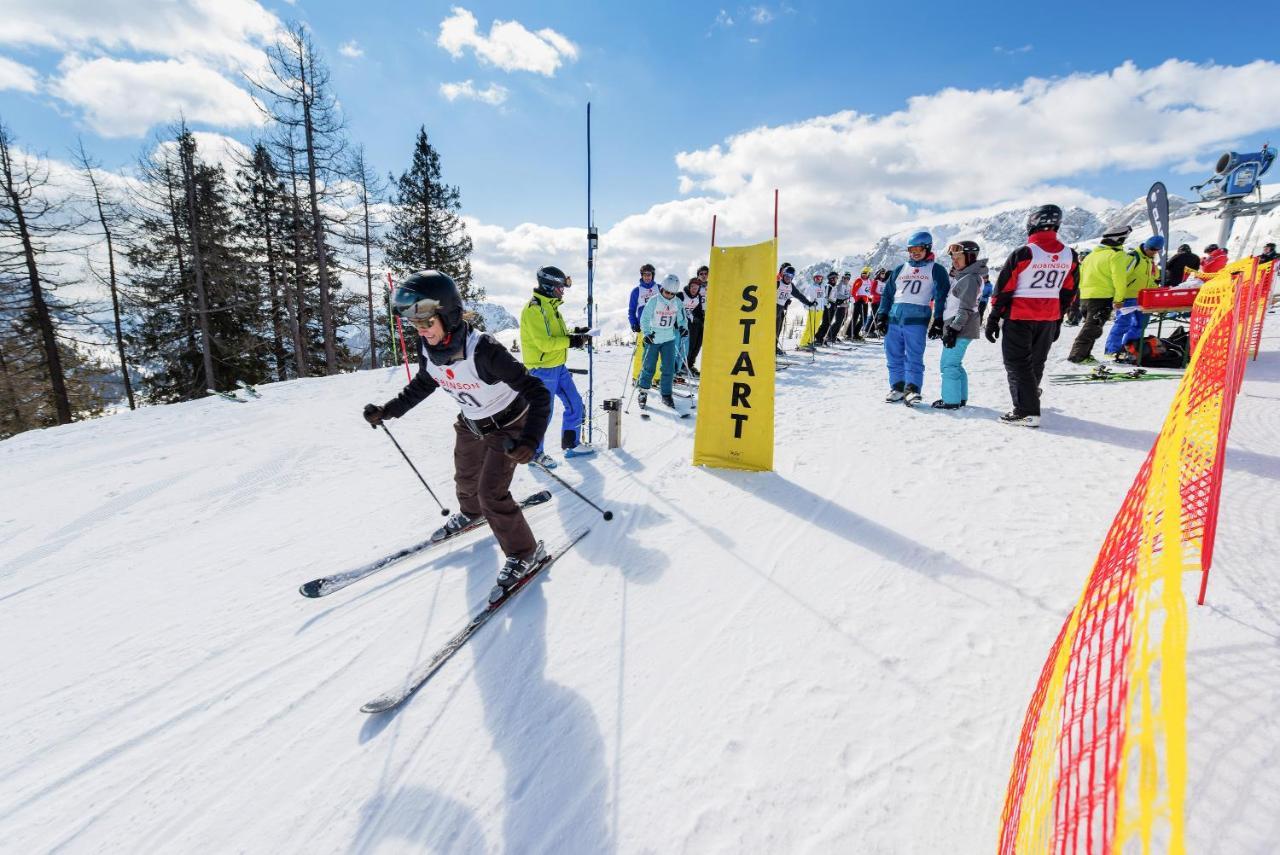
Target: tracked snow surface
<point>833,657</point>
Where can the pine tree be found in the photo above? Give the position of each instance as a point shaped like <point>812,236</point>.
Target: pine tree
<point>203,316</point>
<point>426,231</point>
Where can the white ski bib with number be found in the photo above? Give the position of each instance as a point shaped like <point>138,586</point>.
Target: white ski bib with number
<point>915,284</point>
<point>784,292</point>
<point>664,314</point>
<point>460,381</point>
<point>1042,279</point>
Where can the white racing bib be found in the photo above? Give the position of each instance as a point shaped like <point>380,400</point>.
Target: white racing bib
<point>664,314</point>
<point>915,284</point>
<point>1042,279</point>
<point>460,381</point>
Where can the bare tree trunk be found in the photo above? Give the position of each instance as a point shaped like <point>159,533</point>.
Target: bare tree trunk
<point>182,274</point>
<point>44,320</point>
<point>12,393</point>
<point>111,281</point>
<point>368,276</point>
<point>297,311</point>
<point>202,299</point>
<point>317,224</point>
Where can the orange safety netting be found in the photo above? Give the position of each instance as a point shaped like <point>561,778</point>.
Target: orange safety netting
<point>1101,762</point>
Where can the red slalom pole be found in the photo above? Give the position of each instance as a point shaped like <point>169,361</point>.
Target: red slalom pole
<point>775,213</point>
<point>400,329</point>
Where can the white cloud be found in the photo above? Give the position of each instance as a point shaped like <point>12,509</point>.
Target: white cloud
<point>848,178</point>
<point>15,75</point>
<point>351,49</point>
<point>508,46</point>
<point>1012,51</point>
<point>228,32</point>
<point>122,98</point>
<point>491,94</point>
<point>760,14</point>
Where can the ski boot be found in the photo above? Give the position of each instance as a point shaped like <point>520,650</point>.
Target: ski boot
<point>1013,417</point>
<point>943,405</point>
<point>514,570</point>
<point>642,398</point>
<point>896,394</point>
<point>453,525</point>
<point>911,395</point>
<point>669,401</point>
<point>545,460</point>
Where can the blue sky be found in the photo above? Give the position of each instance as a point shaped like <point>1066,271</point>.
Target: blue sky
<point>666,78</point>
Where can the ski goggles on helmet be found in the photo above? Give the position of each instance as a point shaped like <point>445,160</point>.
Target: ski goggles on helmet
<point>419,310</point>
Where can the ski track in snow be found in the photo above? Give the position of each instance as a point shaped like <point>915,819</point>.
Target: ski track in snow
<point>835,656</point>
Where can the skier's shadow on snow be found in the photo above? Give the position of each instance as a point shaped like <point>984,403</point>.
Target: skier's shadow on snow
<point>425,819</point>
<point>1239,459</point>
<point>638,563</point>
<point>864,532</point>
<point>547,735</point>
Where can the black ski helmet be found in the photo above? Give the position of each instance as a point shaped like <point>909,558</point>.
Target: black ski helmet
<point>550,281</point>
<point>1046,218</point>
<point>427,293</point>
<point>968,247</point>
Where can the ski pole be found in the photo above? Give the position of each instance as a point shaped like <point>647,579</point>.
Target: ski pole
<point>509,444</point>
<point>630,361</point>
<point>444,512</point>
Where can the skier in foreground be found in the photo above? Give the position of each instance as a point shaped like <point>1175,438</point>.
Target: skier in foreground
<point>499,401</point>
<point>1033,291</point>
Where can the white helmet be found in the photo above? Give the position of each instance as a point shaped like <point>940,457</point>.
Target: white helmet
<point>671,284</point>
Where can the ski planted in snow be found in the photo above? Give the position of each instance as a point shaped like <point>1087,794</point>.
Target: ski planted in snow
<point>326,585</point>
<point>420,675</point>
<point>227,396</point>
<point>248,389</point>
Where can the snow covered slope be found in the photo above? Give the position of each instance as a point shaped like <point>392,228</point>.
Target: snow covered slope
<point>833,657</point>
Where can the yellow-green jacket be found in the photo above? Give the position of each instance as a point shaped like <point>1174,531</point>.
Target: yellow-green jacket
<point>1103,273</point>
<point>1139,274</point>
<point>544,338</point>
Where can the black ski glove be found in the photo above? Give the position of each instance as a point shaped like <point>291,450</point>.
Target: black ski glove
<point>949,336</point>
<point>882,324</point>
<point>935,328</point>
<point>635,328</point>
<point>577,340</point>
<point>582,330</point>
<point>373,415</point>
<point>649,339</point>
<point>993,329</point>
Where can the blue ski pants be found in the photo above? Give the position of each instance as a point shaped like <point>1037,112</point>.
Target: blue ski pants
<point>1128,327</point>
<point>904,351</point>
<point>559,383</point>
<point>955,380</point>
<point>666,350</point>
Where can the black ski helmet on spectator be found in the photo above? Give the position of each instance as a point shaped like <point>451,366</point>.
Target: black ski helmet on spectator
<point>1046,218</point>
<point>427,293</point>
<point>968,247</point>
<point>1184,247</point>
<point>1213,247</point>
<point>551,281</point>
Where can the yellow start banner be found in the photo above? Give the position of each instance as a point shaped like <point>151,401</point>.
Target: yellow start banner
<point>735,397</point>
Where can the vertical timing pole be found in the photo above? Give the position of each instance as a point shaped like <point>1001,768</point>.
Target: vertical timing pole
<point>713,231</point>
<point>591,275</point>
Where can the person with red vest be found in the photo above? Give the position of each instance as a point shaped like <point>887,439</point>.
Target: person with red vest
<point>874,288</point>
<point>1033,291</point>
<point>1215,258</point>
<point>861,300</point>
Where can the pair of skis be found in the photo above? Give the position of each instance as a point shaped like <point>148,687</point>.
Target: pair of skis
<point>1104,374</point>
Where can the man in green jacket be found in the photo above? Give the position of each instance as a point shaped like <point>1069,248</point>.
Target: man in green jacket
<point>1103,275</point>
<point>544,344</point>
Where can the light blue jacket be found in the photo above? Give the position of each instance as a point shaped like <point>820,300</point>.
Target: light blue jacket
<point>673,308</point>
